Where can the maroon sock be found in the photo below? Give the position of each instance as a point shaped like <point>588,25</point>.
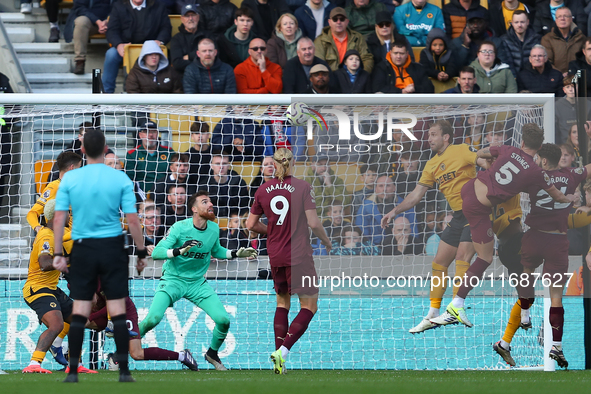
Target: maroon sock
<point>298,327</point>
<point>475,271</point>
<point>281,325</point>
<point>155,353</point>
<point>524,303</point>
<point>557,322</point>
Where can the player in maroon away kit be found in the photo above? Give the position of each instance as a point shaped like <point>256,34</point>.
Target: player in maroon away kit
<point>98,321</point>
<point>546,243</point>
<point>288,203</point>
<point>514,171</point>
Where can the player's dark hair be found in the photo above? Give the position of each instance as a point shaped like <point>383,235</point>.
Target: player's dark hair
<point>445,128</point>
<point>94,143</point>
<point>174,186</point>
<point>83,126</point>
<point>520,12</point>
<point>368,167</point>
<point>243,11</point>
<point>182,157</point>
<point>532,136</point>
<point>399,44</point>
<point>195,196</point>
<point>199,127</point>
<point>468,69</point>
<point>550,152</point>
<point>66,159</point>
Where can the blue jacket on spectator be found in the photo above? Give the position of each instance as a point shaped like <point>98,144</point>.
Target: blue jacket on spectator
<point>306,21</point>
<point>246,129</point>
<point>123,26</point>
<point>217,79</point>
<point>369,218</point>
<point>92,9</point>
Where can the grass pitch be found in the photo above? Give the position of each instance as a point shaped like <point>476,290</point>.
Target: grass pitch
<point>304,382</point>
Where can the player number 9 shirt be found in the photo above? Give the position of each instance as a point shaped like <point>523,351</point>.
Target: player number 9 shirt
<point>285,205</point>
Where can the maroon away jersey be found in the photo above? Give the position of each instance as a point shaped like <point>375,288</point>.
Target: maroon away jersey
<point>513,172</point>
<point>547,214</point>
<point>285,205</point>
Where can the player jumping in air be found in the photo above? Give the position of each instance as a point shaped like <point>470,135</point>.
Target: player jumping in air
<point>546,243</point>
<point>450,168</point>
<point>289,205</point>
<point>188,248</point>
<point>514,171</point>
<point>41,294</point>
<point>98,321</point>
<point>66,161</point>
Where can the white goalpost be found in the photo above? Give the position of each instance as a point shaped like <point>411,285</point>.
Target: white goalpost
<point>357,327</point>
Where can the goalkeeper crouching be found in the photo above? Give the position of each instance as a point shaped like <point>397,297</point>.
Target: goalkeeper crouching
<point>187,248</point>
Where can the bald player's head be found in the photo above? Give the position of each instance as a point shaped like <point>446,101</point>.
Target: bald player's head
<point>49,209</point>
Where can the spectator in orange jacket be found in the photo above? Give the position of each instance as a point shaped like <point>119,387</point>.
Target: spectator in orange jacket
<point>258,74</point>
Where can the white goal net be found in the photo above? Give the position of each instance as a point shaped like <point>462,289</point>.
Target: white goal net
<point>172,147</point>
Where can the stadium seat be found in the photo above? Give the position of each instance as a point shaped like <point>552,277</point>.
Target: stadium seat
<point>222,222</point>
<point>62,4</point>
<point>438,3</point>
<point>417,53</point>
<point>42,172</point>
<point>247,170</point>
<point>348,172</point>
<point>180,129</point>
<point>175,21</point>
<point>132,52</point>
<point>483,3</point>
<point>237,3</point>
<point>441,87</point>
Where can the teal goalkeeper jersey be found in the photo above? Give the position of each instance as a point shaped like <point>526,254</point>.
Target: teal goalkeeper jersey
<point>194,264</point>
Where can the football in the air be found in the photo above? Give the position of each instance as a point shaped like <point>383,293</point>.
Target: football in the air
<point>298,113</point>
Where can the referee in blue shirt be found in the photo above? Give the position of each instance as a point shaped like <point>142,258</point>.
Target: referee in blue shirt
<point>95,194</point>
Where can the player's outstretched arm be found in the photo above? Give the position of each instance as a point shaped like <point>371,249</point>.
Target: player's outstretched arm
<point>254,224</point>
<point>410,201</point>
<point>317,228</point>
<point>136,233</point>
<point>484,153</point>
<point>557,195</point>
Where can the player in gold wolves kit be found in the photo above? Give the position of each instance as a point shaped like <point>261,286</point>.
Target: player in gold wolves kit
<point>546,243</point>
<point>514,171</point>
<point>288,203</point>
<point>41,294</point>
<point>450,168</point>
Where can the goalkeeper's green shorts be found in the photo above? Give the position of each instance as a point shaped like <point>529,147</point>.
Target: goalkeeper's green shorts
<point>192,290</point>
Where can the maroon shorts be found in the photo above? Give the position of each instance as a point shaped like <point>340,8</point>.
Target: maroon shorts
<point>539,248</point>
<point>296,279</point>
<point>100,318</point>
<point>478,215</point>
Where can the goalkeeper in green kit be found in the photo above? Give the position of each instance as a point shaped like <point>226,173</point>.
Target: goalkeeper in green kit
<point>187,248</point>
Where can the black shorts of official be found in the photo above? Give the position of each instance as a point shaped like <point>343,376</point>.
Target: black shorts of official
<point>104,258</point>
<point>457,230</point>
<point>50,300</point>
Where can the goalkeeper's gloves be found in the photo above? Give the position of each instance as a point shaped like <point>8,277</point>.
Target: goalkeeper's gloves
<point>183,249</point>
<point>245,252</point>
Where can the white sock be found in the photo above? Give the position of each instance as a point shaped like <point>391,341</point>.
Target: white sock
<point>433,312</point>
<point>181,356</point>
<point>33,362</point>
<point>525,316</point>
<point>53,24</point>
<point>458,302</point>
<point>505,345</point>
<point>557,345</point>
<point>284,352</point>
<point>58,342</point>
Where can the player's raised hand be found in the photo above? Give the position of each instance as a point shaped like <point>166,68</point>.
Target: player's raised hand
<point>185,248</point>
<point>60,263</point>
<point>247,252</point>
<point>387,218</point>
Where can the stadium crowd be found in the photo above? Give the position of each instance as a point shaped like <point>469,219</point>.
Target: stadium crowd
<point>338,46</point>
